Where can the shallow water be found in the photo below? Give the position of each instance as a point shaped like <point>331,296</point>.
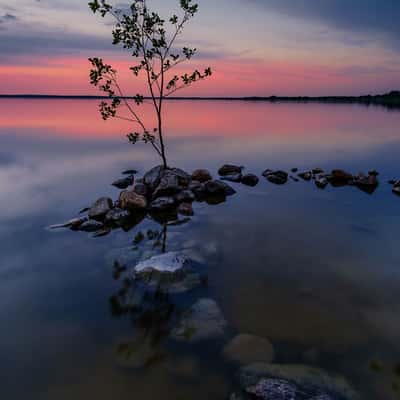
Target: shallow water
<point>314,271</point>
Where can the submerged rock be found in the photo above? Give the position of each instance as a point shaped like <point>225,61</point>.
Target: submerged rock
<point>132,201</point>
<point>123,183</point>
<point>169,263</point>
<point>204,320</point>
<point>277,177</point>
<point>273,389</point>
<point>91,226</point>
<point>137,353</point>
<point>201,175</point>
<point>250,180</point>
<point>310,383</point>
<point>232,177</point>
<point>229,169</point>
<point>100,208</point>
<point>246,349</point>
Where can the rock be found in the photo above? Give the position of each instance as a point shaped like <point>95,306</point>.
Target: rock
<point>73,224</point>
<point>140,188</point>
<point>277,177</point>
<point>129,172</point>
<point>310,382</point>
<point>184,178</point>
<point>172,181</point>
<point>367,184</point>
<point>204,320</point>
<point>117,216</point>
<point>168,186</point>
<point>317,171</point>
<point>123,183</point>
<point>137,353</point>
<point>162,204</point>
<point>169,263</point>
<point>392,182</point>
<point>306,175</point>
<point>232,177</point>
<point>229,169</point>
<point>152,178</point>
<point>373,172</point>
<point>215,188</point>
<point>100,208</point>
<point>186,196</point>
<point>396,190</point>
<point>91,226</point>
<point>186,209</point>
<point>132,201</point>
<point>339,177</point>
<point>201,175</point>
<point>273,389</point>
<point>246,349</point>
<point>294,170</point>
<point>250,180</point>
<point>294,179</point>
<point>321,182</point>
<point>102,232</point>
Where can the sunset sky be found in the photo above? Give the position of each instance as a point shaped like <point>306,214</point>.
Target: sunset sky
<point>256,47</point>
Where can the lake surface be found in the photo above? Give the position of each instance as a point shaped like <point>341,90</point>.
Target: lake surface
<point>317,272</point>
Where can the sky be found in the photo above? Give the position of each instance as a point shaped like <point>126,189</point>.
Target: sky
<point>255,47</point>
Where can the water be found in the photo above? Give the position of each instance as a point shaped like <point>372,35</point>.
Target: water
<point>314,271</point>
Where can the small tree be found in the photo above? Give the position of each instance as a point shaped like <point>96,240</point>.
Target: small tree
<point>146,35</point>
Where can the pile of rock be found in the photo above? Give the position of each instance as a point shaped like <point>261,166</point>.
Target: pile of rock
<point>162,193</point>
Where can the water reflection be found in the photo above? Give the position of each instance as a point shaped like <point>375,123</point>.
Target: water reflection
<point>314,271</point>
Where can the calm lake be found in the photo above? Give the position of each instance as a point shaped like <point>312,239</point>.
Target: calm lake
<point>317,272</point>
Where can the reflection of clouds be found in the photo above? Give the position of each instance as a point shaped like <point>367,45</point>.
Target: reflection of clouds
<point>29,188</point>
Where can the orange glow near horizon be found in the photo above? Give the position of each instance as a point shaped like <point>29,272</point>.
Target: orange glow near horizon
<point>231,78</point>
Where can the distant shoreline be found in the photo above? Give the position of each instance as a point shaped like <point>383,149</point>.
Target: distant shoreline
<point>390,100</point>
